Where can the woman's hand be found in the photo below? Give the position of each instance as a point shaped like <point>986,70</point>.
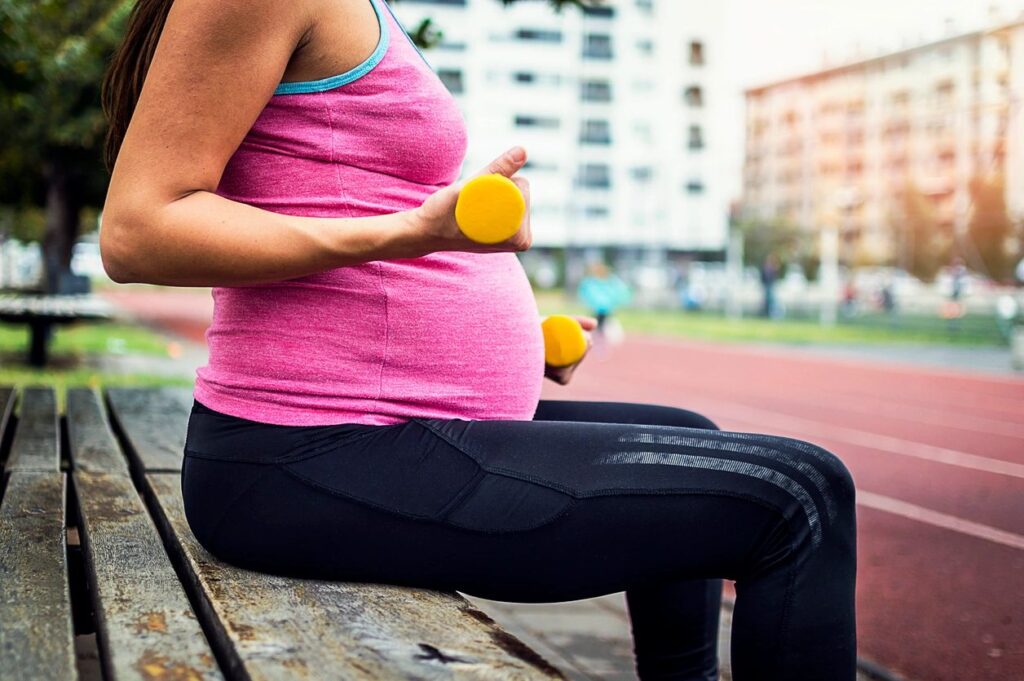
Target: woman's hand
<point>433,223</point>
<point>562,375</point>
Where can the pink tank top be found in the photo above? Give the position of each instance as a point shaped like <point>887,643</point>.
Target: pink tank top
<point>448,335</point>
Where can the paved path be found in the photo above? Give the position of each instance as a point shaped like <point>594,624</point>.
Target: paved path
<point>937,453</point>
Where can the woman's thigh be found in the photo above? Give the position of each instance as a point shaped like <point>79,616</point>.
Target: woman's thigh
<point>538,510</point>
<point>620,412</point>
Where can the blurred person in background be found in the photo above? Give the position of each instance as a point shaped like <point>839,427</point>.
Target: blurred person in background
<point>769,276</point>
<point>953,308</point>
<point>603,292</point>
<point>849,306</point>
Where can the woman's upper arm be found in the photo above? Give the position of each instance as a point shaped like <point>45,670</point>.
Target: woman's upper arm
<point>215,67</point>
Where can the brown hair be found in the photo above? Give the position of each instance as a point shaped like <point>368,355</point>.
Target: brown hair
<point>124,78</point>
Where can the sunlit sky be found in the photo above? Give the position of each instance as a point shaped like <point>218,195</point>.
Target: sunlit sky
<point>785,37</point>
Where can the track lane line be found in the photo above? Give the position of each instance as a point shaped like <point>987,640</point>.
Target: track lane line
<point>886,443</point>
<point>921,514</point>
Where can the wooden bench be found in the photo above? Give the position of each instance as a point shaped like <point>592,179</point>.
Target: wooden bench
<point>42,312</point>
<point>99,488</point>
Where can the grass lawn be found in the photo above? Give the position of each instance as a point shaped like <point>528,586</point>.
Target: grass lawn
<point>87,338</point>
<point>977,331</point>
<point>69,346</point>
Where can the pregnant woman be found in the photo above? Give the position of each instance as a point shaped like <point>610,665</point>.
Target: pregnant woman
<point>370,410</point>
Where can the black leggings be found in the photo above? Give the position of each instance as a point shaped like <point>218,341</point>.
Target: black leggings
<point>589,498</point>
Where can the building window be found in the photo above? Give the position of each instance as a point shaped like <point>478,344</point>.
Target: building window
<point>597,11</point>
<point>696,53</point>
<point>526,77</point>
<point>596,91</point>
<point>695,187</point>
<point>595,176</point>
<point>642,174</point>
<point>645,5</point>
<point>694,96</point>
<point>452,79</point>
<point>539,35</point>
<point>597,46</point>
<point>438,2</point>
<point>523,121</point>
<point>595,132</point>
<point>645,46</point>
<point>543,166</point>
<point>592,211</point>
<point>696,137</point>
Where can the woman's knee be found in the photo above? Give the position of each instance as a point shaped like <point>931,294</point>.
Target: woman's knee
<point>839,489</point>
<point>839,478</point>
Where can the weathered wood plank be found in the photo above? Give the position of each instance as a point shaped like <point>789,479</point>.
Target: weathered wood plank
<point>147,627</point>
<point>276,628</point>
<point>6,410</point>
<point>155,420</point>
<point>35,446</point>
<point>36,637</point>
<point>93,447</point>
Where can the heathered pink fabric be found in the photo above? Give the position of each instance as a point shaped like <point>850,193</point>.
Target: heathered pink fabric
<point>449,335</point>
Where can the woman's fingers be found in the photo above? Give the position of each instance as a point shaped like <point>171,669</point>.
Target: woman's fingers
<point>507,164</point>
<point>588,323</point>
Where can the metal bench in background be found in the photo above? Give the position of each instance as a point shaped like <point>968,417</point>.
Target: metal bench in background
<point>93,538</point>
<point>41,312</point>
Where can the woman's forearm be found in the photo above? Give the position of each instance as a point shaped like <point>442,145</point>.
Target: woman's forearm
<point>204,239</point>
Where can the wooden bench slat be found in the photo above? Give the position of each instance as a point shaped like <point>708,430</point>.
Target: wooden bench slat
<point>155,420</point>
<point>36,636</point>
<point>277,627</point>
<point>147,626</point>
<point>6,410</point>
<point>148,629</point>
<point>93,447</point>
<point>35,446</point>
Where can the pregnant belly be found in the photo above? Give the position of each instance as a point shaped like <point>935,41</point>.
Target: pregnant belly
<point>464,337</point>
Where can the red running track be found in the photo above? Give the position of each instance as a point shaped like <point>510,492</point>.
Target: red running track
<point>938,457</point>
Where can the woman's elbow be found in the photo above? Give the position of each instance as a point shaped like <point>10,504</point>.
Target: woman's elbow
<point>121,259</point>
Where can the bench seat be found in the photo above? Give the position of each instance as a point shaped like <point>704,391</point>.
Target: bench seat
<point>102,482</point>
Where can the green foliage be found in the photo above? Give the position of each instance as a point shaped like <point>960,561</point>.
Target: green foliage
<point>52,57</point>
<point>990,231</point>
<point>775,237</point>
<point>924,246</point>
<point>426,35</point>
<point>24,223</point>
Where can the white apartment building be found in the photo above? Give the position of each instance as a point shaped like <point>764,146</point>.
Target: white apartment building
<point>841,145</point>
<point>615,105</point>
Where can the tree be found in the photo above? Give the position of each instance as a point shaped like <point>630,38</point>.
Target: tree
<point>990,231</point>
<point>52,56</point>
<point>924,248</point>
<point>773,238</point>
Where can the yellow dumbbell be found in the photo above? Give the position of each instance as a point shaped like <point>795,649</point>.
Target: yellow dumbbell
<point>490,209</point>
<point>565,343</point>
